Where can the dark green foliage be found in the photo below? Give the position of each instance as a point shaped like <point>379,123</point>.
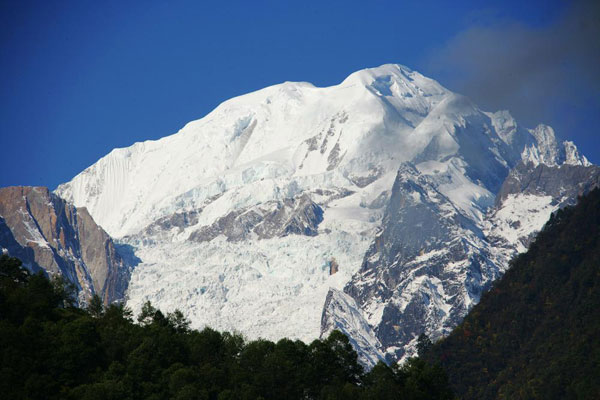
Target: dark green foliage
<point>423,344</point>
<point>96,308</point>
<point>536,333</point>
<point>11,272</point>
<point>52,350</point>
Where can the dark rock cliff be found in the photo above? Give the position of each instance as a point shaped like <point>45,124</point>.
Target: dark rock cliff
<point>49,234</point>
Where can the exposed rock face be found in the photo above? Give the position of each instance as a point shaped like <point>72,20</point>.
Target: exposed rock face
<point>163,228</point>
<point>564,183</point>
<point>549,152</point>
<point>342,313</point>
<point>428,264</point>
<point>333,266</point>
<point>528,196</point>
<point>48,234</point>
<point>299,216</point>
<point>431,262</point>
<point>178,221</point>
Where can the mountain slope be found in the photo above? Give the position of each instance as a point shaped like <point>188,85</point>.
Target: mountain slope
<point>430,262</point>
<point>51,235</point>
<point>288,130</point>
<point>535,333</point>
<point>275,197</point>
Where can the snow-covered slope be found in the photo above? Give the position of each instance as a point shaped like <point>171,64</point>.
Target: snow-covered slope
<point>247,217</point>
<point>270,144</point>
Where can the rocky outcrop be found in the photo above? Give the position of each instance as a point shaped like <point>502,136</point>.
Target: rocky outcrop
<point>50,235</point>
<point>565,182</point>
<point>296,216</point>
<point>333,266</point>
<point>343,314</point>
<point>428,264</point>
<point>528,196</point>
<point>431,262</point>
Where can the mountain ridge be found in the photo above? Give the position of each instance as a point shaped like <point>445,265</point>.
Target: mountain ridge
<point>225,180</point>
<point>534,334</point>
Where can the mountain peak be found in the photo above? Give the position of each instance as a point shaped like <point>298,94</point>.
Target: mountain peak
<point>243,211</point>
<point>368,74</point>
<point>394,80</point>
<point>549,152</point>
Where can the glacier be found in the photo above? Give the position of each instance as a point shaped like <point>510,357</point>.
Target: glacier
<point>239,218</point>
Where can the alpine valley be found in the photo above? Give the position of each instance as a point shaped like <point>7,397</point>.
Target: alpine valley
<point>383,207</point>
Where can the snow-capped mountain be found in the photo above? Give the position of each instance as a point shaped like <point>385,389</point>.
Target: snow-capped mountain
<point>378,195</point>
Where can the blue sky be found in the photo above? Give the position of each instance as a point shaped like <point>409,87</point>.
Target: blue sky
<point>79,78</point>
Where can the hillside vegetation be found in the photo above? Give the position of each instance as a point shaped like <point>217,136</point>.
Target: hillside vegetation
<point>536,333</point>
<point>53,350</point>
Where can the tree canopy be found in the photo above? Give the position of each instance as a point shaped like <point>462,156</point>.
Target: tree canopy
<point>53,350</point>
<point>536,333</point>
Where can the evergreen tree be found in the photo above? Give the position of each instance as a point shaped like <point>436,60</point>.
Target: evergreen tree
<point>53,350</point>
<point>423,344</point>
<point>95,307</point>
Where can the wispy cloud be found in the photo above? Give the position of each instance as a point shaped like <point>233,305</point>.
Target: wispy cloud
<point>532,71</point>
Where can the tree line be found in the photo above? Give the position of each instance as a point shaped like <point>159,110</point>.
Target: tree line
<point>536,333</point>
<point>50,349</point>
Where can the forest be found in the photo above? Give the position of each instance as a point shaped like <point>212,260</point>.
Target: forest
<point>54,350</point>
<point>536,333</point>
